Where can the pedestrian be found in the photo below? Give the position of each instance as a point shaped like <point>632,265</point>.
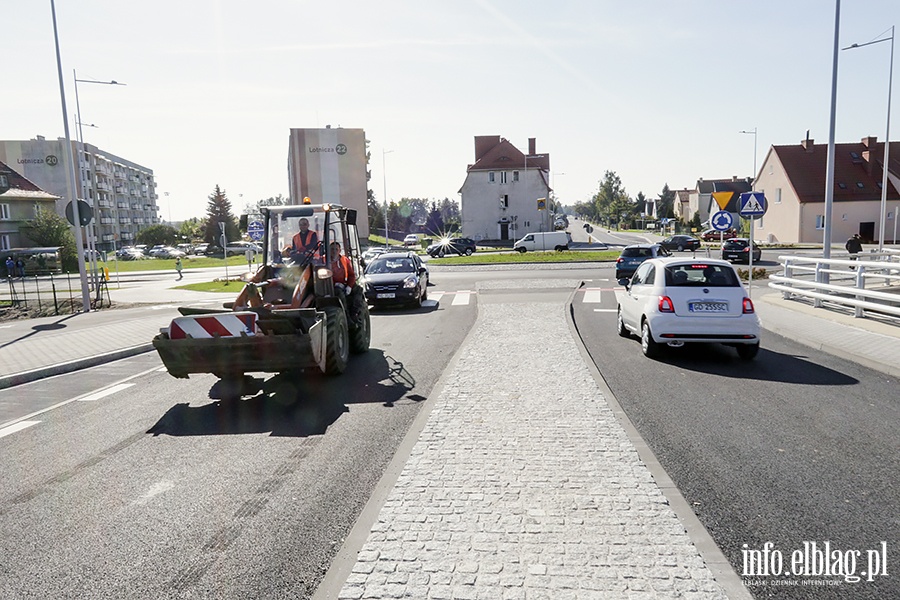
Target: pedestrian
<point>10,267</point>
<point>20,267</point>
<point>178,267</point>
<point>854,246</point>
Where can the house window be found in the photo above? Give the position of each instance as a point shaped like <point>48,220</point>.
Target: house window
<point>777,195</point>
<point>4,182</point>
<point>860,184</point>
<point>491,176</point>
<point>4,212</point>
<point>820,221</point>
<point>515,175</point>
<point>504,201</point>
<point>4,242</point>
<point>843,186</point>
<point>527,224</point>
<point>503,176</point>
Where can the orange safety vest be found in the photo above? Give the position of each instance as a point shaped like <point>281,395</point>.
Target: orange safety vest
<point>343,271</point>
<point>300,244</point>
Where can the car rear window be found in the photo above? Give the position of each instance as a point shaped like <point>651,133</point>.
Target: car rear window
<point>701,274</point>
<point>633,252</point>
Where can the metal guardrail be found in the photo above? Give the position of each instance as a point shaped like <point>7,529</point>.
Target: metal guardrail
<point>871,282</point>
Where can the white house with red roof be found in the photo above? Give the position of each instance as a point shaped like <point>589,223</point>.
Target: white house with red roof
<point>499,198</point>
<point>19,201</point>
<point>793,180</point>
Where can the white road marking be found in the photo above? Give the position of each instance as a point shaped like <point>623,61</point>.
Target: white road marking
<point>592,296</point>
<point>17,427</point>
<point>605,309</point>
<point>436,296</point>
<point>162,370</point>
<point>161,306</point>
<point>155,490</point>
<point>107,392</point>
<point>461,299</point>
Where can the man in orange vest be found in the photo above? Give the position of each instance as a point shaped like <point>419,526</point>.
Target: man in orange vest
<point>303,242</point>
<point>345,280</point>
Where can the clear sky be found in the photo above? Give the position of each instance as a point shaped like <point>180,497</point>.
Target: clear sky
<point>656,91</point>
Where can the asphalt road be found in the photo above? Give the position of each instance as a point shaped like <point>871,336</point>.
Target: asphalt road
<point>155,490</point>
<point>796,446</point>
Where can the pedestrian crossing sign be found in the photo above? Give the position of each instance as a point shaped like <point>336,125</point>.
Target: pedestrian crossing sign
<point>753,204</point>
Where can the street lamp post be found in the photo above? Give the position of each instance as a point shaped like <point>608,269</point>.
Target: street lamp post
<point>90,229</point>
<point>887,137</point>
<point>754,151</point>
<point>384,181</point>
<point>70,180</point>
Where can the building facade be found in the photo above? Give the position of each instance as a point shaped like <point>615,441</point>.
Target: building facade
<point>499,199</point>
<point>793,180</point>
<point>330,165</point>
<point>20,200</point>
<point>121,193</point>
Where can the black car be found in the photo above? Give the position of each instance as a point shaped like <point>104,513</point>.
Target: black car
<point>738,250</point>
<point>459,245</point>
<point>680,242</point>
<point>396,278</point>
<point>632,256</point>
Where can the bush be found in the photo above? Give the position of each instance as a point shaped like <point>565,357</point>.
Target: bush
<point>758,273</point>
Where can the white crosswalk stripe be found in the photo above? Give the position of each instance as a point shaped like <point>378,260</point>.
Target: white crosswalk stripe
<point>592,296</point>
<point>461,299</point>
<point>16,427</point>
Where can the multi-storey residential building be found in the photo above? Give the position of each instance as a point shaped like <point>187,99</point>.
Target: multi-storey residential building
<point>499,198</point>
<point>122,193</point>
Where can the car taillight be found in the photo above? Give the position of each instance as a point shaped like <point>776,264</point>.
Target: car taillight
<point>620,259</point>
<point>665,304</point>
<point>748,306</point>
<point>747,249</point>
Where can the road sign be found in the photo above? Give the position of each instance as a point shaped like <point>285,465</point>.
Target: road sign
<point>753,204</point>
<point>541,203</point>
<point>255,230</point>
<point>85,214</point>
<point>722,198</point>
<point>721,221</point>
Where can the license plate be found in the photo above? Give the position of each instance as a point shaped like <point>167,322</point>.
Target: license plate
<point>386,295</point>
<point>708,307</point>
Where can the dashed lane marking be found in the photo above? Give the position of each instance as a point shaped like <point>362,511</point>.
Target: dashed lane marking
<point>107,392</point>
<point>605,309</point>
<point>17,427</point>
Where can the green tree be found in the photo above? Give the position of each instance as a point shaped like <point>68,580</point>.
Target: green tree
<point>665,206</point>
<point>218,210</point>
<point>157,234</point>
<point>192,229</point>
<point>48,229</point>
<point>611,199</point>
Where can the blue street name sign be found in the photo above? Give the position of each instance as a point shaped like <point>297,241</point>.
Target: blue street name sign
<point>753,204</point>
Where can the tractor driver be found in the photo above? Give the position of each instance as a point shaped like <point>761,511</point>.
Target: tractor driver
<point>304,241</point>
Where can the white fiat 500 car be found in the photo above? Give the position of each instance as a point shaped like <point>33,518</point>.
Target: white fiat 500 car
<point>674,301</point>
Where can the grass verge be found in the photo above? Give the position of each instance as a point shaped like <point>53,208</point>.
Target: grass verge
<point>492,258</point>
<point>217,286</point>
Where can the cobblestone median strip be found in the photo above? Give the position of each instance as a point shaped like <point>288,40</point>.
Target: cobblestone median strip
<point>526,486</point>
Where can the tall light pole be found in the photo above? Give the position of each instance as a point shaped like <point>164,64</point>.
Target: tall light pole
<point>70,181</point>
<point>754,152</point>
<point>887,137</point>
<point>824,276</point>
<point>91,227</point>
<point>384,180</point>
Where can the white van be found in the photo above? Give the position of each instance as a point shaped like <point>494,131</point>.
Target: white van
<point>545,240</point>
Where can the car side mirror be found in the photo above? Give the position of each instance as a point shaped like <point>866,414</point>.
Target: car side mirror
<point>422,270</point>
<point>624,282</point>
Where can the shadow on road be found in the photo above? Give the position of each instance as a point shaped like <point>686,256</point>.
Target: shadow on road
<point>768,366</point>
<point>296,404</point>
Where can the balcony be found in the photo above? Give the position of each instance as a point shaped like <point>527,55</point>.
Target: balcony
<point>109,237</point>
<point>107,221</point>
<point>124,221</point>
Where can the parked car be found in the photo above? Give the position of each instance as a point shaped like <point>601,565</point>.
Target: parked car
<point>738,250</point>
<point>156,250</point>
<point>172,253</point>
<point>411,240</point>
<point>372,253</point>
<point>200,249</point>
<point>674,301</point>
<point>459,245</point>
<point>680,243</point>
<point>130,254</point>
<point>396,278</point>
<point>632,256</point>
<point>714,235</point>
<point>241,248</point>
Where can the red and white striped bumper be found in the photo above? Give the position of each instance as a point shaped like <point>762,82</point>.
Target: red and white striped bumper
<point>218,325</point>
